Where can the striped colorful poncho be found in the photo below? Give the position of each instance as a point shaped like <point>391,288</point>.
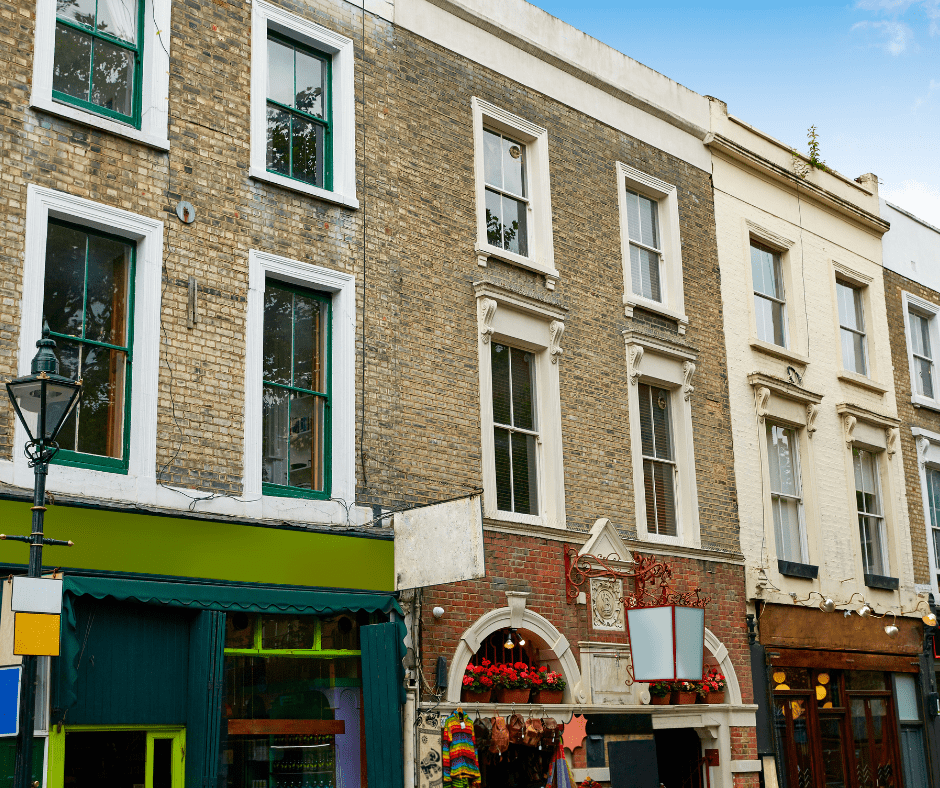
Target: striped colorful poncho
<point>459,752</point>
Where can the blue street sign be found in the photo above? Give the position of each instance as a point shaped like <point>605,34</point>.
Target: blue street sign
<point>10,700</point>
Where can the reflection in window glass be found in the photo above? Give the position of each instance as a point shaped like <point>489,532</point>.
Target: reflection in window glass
<point>870,520</point>
<point>769,302</point>
<point>507,202</point>
<point>852,328</point>
<point>785,492</point>
<point>645,245</point>
<point>922,352</point>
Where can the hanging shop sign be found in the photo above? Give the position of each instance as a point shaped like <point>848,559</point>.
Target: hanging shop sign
<point>36,603</point>
<point>666,628</point>
<point>10,700</point>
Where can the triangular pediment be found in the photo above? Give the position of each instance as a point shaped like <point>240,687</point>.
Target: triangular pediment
<point>605,542</point>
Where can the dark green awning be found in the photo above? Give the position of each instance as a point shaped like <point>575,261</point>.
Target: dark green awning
<point>208,596</point>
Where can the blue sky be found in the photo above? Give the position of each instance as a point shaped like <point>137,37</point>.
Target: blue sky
<point>865,72</point>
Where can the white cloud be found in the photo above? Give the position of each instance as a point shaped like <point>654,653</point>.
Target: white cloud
<point>895,8</point>
<point>920,199</point>
<point>896,35</point>
<point>931,89</point>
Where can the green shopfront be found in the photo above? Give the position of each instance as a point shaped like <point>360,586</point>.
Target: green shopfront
<point>205,653</point>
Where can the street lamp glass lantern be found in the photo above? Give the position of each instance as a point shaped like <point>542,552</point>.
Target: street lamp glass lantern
<point>43,400</point>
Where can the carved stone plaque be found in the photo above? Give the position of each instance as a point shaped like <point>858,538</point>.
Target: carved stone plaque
<point>607,604</point>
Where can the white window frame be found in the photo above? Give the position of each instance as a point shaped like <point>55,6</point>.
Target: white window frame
<point>541,257</point>
<point>862,282</point>
<point>147,234</point>
<point>799,497</point>
<point>155,84</point>
<point>667,198</point>
<point>266,17</point>
<point>879,494</point>
<point>517,320</point>
<point>928,456</point>
<point>931,311</point>
<point>665,365</point>
<point>263,266</point>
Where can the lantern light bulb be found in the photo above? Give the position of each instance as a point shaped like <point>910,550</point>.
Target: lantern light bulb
<point>930,620</point>
<point>521,640</point>
<point>864,611</point>
<point>827,605</point>
<point>508,643</point>
<point>891,631</point>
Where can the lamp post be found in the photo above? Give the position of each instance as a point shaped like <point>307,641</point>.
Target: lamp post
<point>43,400</point>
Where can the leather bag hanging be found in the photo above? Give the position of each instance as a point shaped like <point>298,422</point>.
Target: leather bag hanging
<point>516,729</point>
<point>499,736</point>
<point>533,732</point>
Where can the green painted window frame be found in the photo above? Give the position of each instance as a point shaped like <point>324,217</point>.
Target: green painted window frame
<point>134,119</point>
<point>76,459</point>
<point>326,122</point>
<point>55,777</point>
<point>284,490</point>
<point>315,652</point>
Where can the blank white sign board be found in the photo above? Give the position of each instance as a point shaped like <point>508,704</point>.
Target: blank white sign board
<point>37,595</point>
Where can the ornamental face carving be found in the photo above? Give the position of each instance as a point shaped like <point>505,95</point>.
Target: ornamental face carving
<point>607,604</point>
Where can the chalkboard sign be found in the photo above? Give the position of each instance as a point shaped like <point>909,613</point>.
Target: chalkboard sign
<point>633,764</point>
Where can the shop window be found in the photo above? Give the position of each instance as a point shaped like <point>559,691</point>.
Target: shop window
<point>117,755</point>
<point>88,303</point>
<point>296,397</point>
<point>293,702</point>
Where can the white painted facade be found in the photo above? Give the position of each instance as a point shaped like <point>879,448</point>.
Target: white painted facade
<point>824,228</point>
<point>911,247</point>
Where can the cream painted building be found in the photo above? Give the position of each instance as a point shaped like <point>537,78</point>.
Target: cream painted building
<point>820,480</point>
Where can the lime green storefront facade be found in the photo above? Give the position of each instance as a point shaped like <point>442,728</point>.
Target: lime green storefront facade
<point>204,652</point>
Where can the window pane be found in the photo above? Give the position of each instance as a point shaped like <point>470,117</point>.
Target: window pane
<point>524,474</point>
<point>644,273</point>
<point>769,318</point>
<point>105,757</point>
<point>523,392</point>
<point>659,484</point>
<point>787,529</point>
<point>274,443</point>
<point>81,11</point>
<point>108,271</point>
<point>280,72</point>
<point>310,332</point>
<point>765,271</point>
<point>100,413</point>
<point>278,335</point>
<point>72,62</point>
<point>920,335</point>
<point>924,376</point>
<point>513,167</point>
<point>833,751</point>
<point>306,141</point>
<point>278,632</point>
<point>340,632</point>
<point>499,355</point>
<point>861,680</point>
<point>278,159</point>
<point>112,84</point>
<point>65,279</point>
<point>503,470</point>
<point>514,226</point>
<point>162,763</point>
<point>873,559</point>
<point>646,420</point>
<point>780,451</point>
<point>633,216</point>
<point>494,219</point>
<point>906,686</point>
<point>309,84</point>
<point>492,159</point>
<point>118,18</point>
<point>849,306</point>
<point>853,352</point>
<point>307,435</point>
<point>240,629</point>
<point>649,229</point>
<point>662,434</point>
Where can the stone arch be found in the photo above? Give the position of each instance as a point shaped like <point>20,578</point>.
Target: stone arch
<point>552,645</point>
<point>723,658</point>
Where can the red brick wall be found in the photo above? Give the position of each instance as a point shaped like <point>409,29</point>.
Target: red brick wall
<point>536,566</point>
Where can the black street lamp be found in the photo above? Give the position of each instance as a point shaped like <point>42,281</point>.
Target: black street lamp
<point>43,400</point>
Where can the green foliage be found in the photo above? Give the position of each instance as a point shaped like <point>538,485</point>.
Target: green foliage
<point>802,164</point>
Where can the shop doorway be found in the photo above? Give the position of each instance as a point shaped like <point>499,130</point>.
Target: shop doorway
<point>117,755</point>
<point>678,755</point>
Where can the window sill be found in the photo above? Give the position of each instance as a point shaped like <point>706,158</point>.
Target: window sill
<point>631,300</point>
<point>277,491</point>
<point>485,250</point>
<point>794,569</point>
<point>884,583</point>
<point>516,517</point>
<point>919,401</point>
<point>676,541</point>
<point>776,351</point>
<point>862,382</point>
<point>97,121</point>
<point>304,188</point>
